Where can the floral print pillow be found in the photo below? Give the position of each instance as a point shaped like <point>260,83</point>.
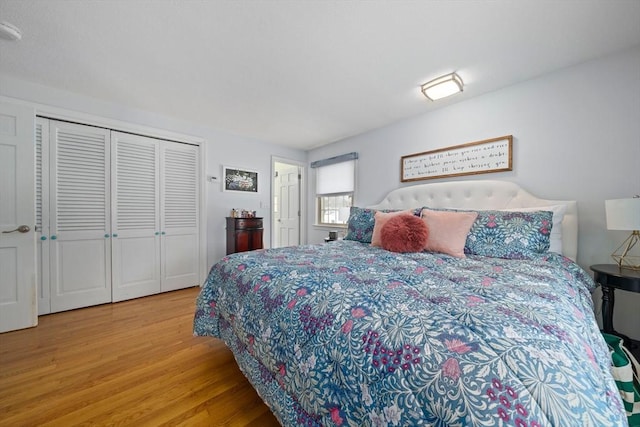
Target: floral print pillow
<point>360,224</point>
<point>513,235</point>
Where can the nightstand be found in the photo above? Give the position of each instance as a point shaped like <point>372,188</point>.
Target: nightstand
<point>244,234</point>
<point>612,277</point>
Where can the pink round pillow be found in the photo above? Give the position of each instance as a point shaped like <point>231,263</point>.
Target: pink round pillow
<point>404,233</point>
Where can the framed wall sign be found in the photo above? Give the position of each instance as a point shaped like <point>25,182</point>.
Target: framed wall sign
<point>489,155</point>
<point>240,180</point>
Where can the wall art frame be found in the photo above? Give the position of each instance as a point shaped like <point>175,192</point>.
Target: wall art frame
<point>486,156</point>
<point>239,180</point>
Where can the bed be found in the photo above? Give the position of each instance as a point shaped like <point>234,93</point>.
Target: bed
<point>348,333</point>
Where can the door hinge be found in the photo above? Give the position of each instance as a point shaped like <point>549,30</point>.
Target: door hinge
<point>276,175</point>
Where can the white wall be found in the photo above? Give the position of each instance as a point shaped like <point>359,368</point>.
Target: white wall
<point>576,136</point>
<point>221,149</point>
<point>242,153</point>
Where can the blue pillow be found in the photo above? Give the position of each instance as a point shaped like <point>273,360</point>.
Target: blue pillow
<point>361,223</point>
<point>513,235</point>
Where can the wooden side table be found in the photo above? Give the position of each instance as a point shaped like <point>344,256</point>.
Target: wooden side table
<point>612,277</point>
<point>244,234</point>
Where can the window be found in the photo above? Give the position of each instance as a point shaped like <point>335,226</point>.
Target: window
<point>334,209</point>
<point>335,185</point>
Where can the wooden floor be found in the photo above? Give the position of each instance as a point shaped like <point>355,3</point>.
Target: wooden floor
<point>131,363</point>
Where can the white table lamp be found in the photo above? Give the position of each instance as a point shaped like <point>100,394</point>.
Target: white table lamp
<point>624,214</point>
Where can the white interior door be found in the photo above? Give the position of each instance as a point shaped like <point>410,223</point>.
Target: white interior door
<point>18,304</point>
<point>135,200</point>
<point>80,240</point>
<point>287,211</point>
<point>180,215</point>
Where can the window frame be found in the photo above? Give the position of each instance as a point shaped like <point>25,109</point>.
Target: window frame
<point>320,211</point>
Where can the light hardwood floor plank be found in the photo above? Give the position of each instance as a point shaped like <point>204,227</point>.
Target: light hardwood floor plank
<point>131,363</point>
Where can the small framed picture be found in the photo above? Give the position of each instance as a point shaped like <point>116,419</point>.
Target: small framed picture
<point>240,180</point>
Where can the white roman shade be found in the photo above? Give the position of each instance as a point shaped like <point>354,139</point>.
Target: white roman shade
<point>336,175</point>
<point>336,178</point>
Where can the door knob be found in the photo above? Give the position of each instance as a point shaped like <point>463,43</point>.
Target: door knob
<point>22,229</point>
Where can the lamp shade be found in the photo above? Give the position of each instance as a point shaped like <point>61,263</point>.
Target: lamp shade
<point>623,214</point>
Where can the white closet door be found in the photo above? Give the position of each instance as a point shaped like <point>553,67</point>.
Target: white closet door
<point>136,215</point>
<point>80,240</point>
<point>180,207</point>
<point>42,214</point>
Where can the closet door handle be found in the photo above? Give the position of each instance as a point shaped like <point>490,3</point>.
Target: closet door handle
<point>21,229</point>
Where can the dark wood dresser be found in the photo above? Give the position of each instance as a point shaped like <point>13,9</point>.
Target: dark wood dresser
<point>244,234</point>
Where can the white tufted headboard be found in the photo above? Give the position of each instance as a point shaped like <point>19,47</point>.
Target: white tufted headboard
<point>482,195</point>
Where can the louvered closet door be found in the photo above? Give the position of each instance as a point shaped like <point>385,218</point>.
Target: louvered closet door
<point>179,215</point>
<point>136,215</point>
<point>42,215</point>
<point>80,239</point>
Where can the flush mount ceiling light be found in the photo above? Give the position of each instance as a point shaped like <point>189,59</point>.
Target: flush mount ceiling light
<point>442,87</point>
<point>9,32</point>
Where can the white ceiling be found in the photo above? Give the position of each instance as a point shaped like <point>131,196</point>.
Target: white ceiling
<point>301,73</point>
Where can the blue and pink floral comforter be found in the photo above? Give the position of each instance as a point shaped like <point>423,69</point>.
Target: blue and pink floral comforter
<point>347,334</point>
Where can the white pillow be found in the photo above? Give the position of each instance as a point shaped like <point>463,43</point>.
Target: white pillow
<point>555,239</point>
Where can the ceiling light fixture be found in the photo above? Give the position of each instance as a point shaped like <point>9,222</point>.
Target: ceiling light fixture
<point>442,87</point>
<point>9,32</point>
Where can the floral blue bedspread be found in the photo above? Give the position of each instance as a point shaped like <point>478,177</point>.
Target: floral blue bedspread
<point>347,334</point>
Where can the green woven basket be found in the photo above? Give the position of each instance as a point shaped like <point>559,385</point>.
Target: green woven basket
<point>626,371</point>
